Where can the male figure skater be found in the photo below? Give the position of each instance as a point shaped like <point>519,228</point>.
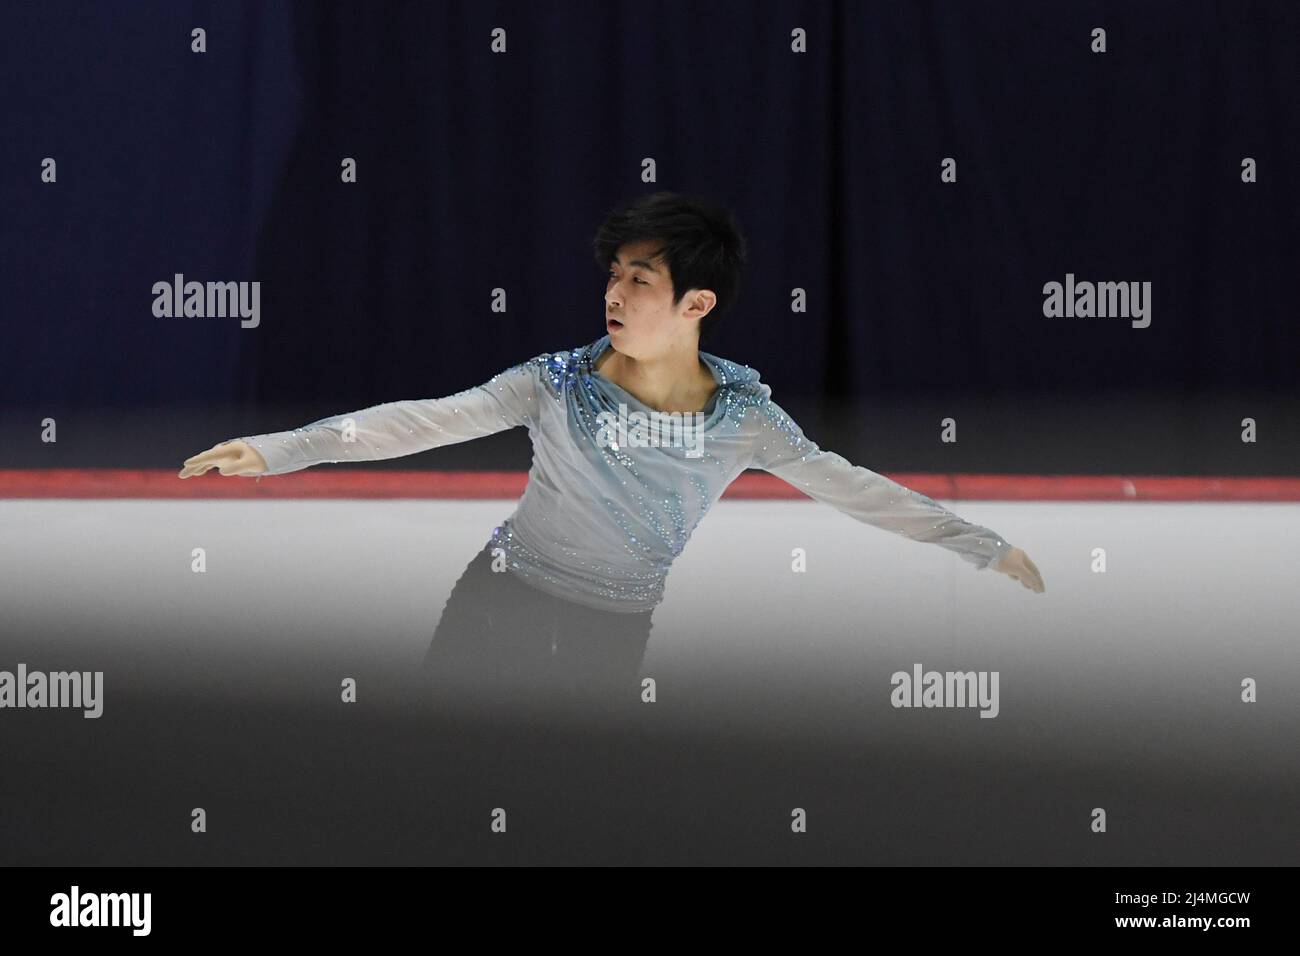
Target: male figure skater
<point>563,591</point>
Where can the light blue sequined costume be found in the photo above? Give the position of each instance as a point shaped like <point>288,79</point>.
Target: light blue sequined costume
<point>601,520</point>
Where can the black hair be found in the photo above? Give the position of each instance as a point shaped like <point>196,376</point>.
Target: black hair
<point>699,241</point>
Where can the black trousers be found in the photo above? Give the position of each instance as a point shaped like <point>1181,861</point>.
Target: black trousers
<point>500,636</point>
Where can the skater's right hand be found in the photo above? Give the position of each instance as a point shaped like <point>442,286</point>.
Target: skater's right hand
<point>229,458</point>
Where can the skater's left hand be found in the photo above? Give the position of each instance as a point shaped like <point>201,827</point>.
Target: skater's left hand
<point>1016,565</point>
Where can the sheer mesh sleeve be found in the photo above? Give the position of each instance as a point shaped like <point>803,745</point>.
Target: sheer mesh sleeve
<point>394,429</point>
<point>781,448</point>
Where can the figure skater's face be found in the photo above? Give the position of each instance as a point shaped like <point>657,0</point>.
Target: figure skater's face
<point>639,313</point>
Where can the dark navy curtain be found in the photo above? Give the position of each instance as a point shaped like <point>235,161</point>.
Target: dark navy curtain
<point>479,170</point>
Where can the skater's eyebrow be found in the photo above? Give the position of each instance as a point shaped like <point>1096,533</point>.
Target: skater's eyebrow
<point>639,262</point>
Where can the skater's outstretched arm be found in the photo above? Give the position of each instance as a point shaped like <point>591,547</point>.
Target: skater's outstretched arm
<point>390,430</point>
<point>780,447</point>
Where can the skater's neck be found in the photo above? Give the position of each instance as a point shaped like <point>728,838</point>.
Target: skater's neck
<point>676,380</point>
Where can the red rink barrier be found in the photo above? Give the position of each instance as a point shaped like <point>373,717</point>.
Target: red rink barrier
<point>350,483</point>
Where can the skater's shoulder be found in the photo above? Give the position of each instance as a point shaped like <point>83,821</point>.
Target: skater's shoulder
<point>552,367</point>
<point>746,398</point>
<point>561,368</point>
<point>743,383</point>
